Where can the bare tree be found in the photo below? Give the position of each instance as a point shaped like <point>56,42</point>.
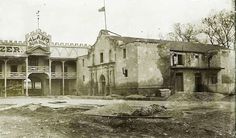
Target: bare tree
<point>219,28</point>
<point>184,32</point>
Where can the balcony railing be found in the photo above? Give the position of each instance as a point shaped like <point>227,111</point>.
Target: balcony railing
<point>16,75</point>
<point>67,75</point>
<point>13,75</point>
<point>70,75</point>
<point>38,69</point>
<point>56,75</point>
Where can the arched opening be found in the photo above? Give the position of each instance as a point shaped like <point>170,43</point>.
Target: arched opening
<point>37,84</point>
<point>102,82</point>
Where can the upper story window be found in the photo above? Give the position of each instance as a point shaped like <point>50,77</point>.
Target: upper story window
<point>110,54</point>
<point>101,57</point>
<point>178,59</point>
<point>13,68</point>
<point>0,67</point>
<point>83,62</point>
<point>196,56</point>
<point>65,68</point>
<point>53,68</point>
<point>124,53</point>
<point>125,72</point>
<point>33,62</point>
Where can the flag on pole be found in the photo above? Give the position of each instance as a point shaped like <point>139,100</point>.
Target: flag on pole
<point>102,9</point>
<point>37,12</point>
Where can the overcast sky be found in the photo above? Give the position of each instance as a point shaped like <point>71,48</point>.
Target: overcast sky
<point>79,20</point>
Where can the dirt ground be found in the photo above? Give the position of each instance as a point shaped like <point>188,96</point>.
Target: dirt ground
<point>65,118</point>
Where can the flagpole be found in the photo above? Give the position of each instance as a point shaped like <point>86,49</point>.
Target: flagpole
<point>105,16</point>
<point>37,13</point>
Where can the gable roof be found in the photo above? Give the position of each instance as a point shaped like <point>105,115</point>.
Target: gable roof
<point>43,49</point>
<point>173,45</point>
<point>191,47</point>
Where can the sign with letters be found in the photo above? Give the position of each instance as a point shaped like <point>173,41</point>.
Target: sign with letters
<point>13,49</point>
<point>38,39</point>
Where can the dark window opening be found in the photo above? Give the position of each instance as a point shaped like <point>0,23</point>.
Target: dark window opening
<point>83,78</point>
<point>53,68</point>
<point>180,60</point>
<point>65,69</point>
<point>23,68</point>
<point>0,67</point>
<point>124,53</point>
<point>83,62</point>
<point>33,61</point>
<point>13,68</point>
<point>110,52</point>
<point>101,57</point>
<point>213,79</point>
<point>125,72</point>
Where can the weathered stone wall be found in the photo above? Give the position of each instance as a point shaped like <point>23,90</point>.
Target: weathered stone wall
<point>103,45</point>
<point>99,69</point>
<point>83,76</point>
<point>226,77</point>
<point>126,85</point>
<point>153,68</point>
<point>189,81</point>
<point>148,66</point>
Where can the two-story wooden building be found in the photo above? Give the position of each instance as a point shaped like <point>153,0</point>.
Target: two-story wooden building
<point>38,66</point>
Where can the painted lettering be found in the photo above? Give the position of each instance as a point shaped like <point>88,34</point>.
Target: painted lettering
<point>16,49</point>
<point>9,49</point>
<point>2,49</point>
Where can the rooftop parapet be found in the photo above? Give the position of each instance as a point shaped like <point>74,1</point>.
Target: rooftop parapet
<point>80,45</point>
<point>12,42</point>
<point>23,43</point>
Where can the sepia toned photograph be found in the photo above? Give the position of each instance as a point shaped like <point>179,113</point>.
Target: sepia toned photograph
<point>117,69</point>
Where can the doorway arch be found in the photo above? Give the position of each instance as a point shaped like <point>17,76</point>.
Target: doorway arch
<point>102,82</point>
<point>39,85</point>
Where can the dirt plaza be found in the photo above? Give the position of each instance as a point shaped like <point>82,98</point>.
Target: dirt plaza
<point>70,117</point>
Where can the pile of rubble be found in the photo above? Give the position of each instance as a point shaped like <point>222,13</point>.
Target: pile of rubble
<point>123,109</point>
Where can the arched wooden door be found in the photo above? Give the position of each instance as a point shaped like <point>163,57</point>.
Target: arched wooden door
<point>102,84</point>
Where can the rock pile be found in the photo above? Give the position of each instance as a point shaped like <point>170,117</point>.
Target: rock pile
<point>149,110</point>
<point>123,109</point>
